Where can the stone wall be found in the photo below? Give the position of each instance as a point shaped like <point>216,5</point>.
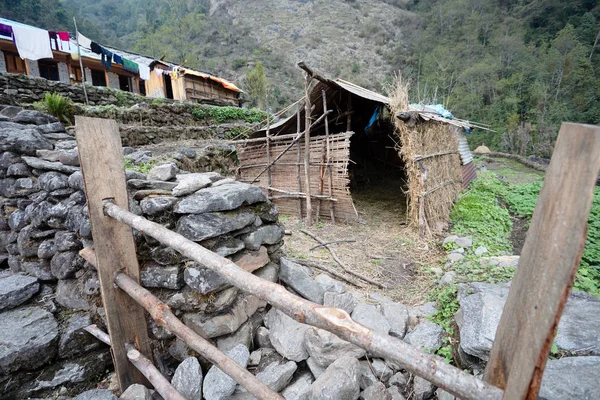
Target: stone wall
<point>22,89</point>
<point>48,293</point>
<point>2,62</point>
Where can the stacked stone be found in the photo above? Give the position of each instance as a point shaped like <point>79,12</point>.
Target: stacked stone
<point>48,293</point>
<point>23,89</point>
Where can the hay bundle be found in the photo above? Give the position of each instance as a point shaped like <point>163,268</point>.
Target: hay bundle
<point>433,182</point>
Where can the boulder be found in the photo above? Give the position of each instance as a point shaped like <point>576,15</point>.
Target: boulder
<point>395,394</point>
<point>286,335</point>
<point>299,389</point>
<point>97,394</point>
<point>23,141</point>
<point>397,316</point>
<point>277,375</point>
<point>325,347</point>
<point>381,370</point>
<point>422,389</point>
<point>376,391</point>
<point>220,198</point>
<point>369,316</point>
<point>164,172</point>
<point>28,339</point>
<point>298,278</point>
<point>242,336</point>
<point>144,184</point>
<point>18,170</point>
<point>16,289</point>
<point>136,392</point>
<point>190,183</point>
<point>339,381</point>
<point>464,241</point>
<point>366,375</point>
<point>187,379</point>
<point>427,336</point>
<point>157,205</point>
<point>18,220</point>
<point>203,280</point>
<point>65,241</point>
<point>229,247</point>
<point>344,301</point>
<point>75,340</point>
<point>38,163</point>
<point>198,227</point>
<point>39,269</point>
<point>69,294</point>
<point>329,284</point>
<point>159,276</point>
<point>571,378</point>
<point>268,234</point>
<point>33,117</point>
<point>315,369</point>
<point>217,384</point>
<point>65,264</point>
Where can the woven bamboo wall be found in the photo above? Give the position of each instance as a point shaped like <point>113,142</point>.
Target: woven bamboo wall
<point>284,173</point>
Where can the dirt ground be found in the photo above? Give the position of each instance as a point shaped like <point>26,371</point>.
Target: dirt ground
<point>386,249</point>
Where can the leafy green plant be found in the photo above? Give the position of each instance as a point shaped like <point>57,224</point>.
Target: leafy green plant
<point>228,113</point>
<point>142,168</point>
<point>57,105</point>
<point>447,305</point>
<point>122,99</point>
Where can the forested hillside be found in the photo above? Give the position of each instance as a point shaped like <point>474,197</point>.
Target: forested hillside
<point>522,66</point>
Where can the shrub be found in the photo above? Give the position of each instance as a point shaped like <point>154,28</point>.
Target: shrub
<point>56,105</point>
<point>224,114</point>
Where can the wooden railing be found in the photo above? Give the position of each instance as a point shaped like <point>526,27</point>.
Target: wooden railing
<point>114,255</point>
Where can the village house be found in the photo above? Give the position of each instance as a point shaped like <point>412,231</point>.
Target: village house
<point>136,74</point>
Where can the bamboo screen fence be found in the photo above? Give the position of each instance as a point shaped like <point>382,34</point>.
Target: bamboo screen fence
<point>287,182</point>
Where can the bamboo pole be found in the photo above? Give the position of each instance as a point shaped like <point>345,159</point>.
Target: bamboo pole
<point>286,149</point>
<point>329,172</point>
<point>268,135</point>
<point>316,196</point>
<point>337,321</point>
<point>307,122</point>
<point>298,157</point>
<point>163,315</point>
<point>145,366</point>
<point>83,79</point>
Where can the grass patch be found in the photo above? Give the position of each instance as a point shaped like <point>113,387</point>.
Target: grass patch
<point>224,114</point>
<point>142,168</point>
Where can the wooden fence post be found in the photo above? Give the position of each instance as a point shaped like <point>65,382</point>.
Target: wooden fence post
<point>102,165</point>
<point>548,264</point>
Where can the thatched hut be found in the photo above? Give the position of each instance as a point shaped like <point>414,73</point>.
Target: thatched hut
<point>418,154</point>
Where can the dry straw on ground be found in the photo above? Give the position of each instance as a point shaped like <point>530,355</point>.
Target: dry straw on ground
<point>434,182</point>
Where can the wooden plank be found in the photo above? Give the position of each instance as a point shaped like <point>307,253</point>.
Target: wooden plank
<point>102,165</point>
<point>548,264</point>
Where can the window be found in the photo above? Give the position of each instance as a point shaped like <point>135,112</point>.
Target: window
<point>14,63</point>
<point>76,75</point>
<point>125,83</point>
<point>48,70</point>
<point>98,78</point>
<point>142,87</point>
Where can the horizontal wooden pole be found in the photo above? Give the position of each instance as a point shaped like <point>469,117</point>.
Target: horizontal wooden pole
<point>442,153</point>
<point>145,366</point>
<point>316,196</point>
<point>337,321</point>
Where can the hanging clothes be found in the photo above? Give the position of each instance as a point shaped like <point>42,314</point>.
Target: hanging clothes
<point>118,59</point>
<point>130,66</point>
<point>96,48</point>
<point>64,38</point>
<point>6,30</point>
<point>53,38</point>
<point>83,41</point>
<point>32,44</point>
<point>144,72</point>
<point>106,60</point>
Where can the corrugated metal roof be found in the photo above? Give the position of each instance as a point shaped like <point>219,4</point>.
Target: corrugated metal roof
<point>469,173</point>
<point>463,148</point>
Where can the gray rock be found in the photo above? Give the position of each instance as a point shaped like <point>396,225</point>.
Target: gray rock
<point>579,326</point>
<point>394,393</point>
<point>262,337</point>
<point>381,370</point>
<point>33,117</point>
<point>70,294</point>
<point>329,284</point>
<point>187,379</point>
<point>200,227</point>
<point>422,389</point>
<point>75,340</point>
<point>65,241</point>
<point>455,257</point>
<point>277,375</point>
<point>217,384</point>
<point>460,250</point>
<point>229,247</point>
<point>427,336</point>
<point>164,172</point>
<point>345,301</point>
<point>315,369</point>
<point>158,276</point>
<point>448,278</point>
<point>367,315</point>
<point>188,300</point>
<point>443,395</point>
<point>450,239</point>
<point>480,251</point>
<point>16,289</point>
<point>255,357</point>
<point>242,336</point>
<point>464,241</point>
<point>136,392</point>
<point>97,394</point>
<point>76,181</point>
<point>28,339</point>
<point>325,347</point>
<point>203,280</point>
<point>38,163</point>
<point>220,198</point>
<point>398,379</point>
<point>366,376</point>
<point>23,141</point>
<point>210,327</point>
<point>190,183</point>
<point>52,127</point>
<point>142,184</point>
<point>67,157</point>
<point>298,278</point>
<point>8,158</point>
<point>299,389</point>
<point>375,392</point>
<point>268,234</point>
<point>397,316</point>
<point>40,269</point>
<point>130,174</point>
<point>139,157</point>
<point>65,264</point>
<point>339,381</point>
<point>18,170</point>
<point>157,205</point>
<point>286,335</point>
<point>571,378</point>
<point>68,373</point>
<point>26,244</point>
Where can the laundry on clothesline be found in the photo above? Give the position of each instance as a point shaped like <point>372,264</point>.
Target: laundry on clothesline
<point>83,41</point>
<point>32,44</point>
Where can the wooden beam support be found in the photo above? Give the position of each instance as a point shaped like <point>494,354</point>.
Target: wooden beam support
<point>548,264</point>
<point>329,172</point>
<point>102,165</point>
<point>307,123</point>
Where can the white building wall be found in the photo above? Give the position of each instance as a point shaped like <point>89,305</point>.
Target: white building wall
<point>2,62</point>
<point>113,80</point>
<point>34,69</point>
<point>63,73</point>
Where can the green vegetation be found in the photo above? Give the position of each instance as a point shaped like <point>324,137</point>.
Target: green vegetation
<point>143,168</point>
<point>256,85</point>
<point>56,105</point>
<point>225,114</point>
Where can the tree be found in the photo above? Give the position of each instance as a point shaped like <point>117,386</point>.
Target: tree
<point>256,85</point>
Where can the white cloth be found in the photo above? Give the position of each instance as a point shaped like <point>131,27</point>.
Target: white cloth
<point>83,41</point>
<point>32,43</point>
<point>144,72</point>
